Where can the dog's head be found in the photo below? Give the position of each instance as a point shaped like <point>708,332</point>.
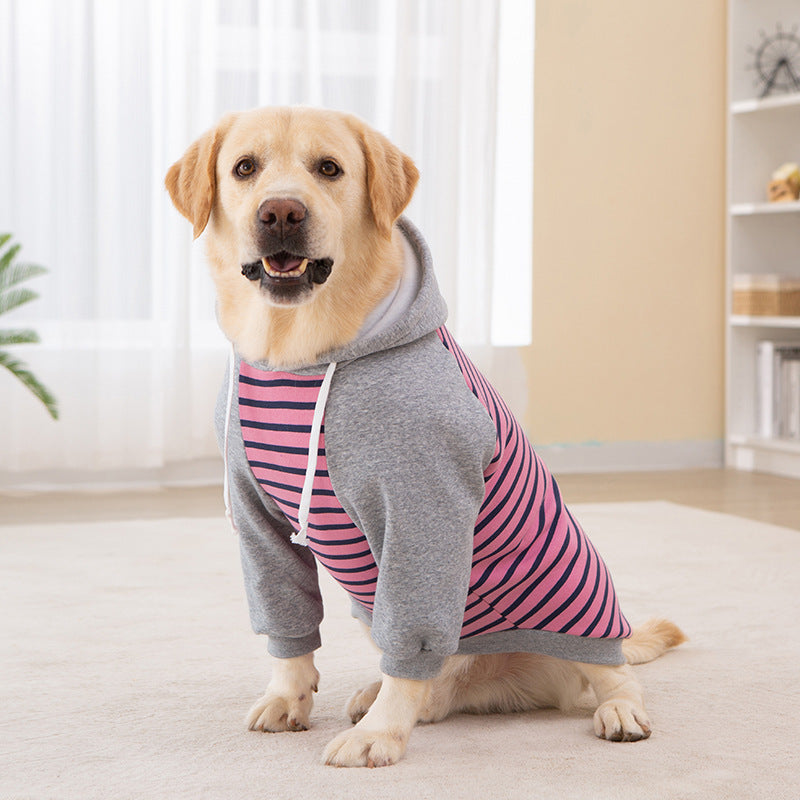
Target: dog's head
<point>290,197</point>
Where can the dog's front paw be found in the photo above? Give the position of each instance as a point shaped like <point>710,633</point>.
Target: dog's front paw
<point>621,720</point>
<point>365,748</point>
<point>275,713</point>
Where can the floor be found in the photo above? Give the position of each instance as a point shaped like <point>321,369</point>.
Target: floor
<point>766,498</point>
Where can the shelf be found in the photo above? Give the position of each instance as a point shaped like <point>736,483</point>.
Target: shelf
<point>741,321</point>
<point>755,105</point>
<point>751,209</point>
<point>761,237</point>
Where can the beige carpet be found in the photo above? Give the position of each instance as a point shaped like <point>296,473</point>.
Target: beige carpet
<point>127,665</point>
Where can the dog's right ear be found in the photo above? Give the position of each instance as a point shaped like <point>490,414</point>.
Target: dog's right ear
<point>192,180</point>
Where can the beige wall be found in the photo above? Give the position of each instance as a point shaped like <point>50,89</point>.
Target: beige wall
<point>629,222</point>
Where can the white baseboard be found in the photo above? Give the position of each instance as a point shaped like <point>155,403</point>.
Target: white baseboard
<point>582,457</point>
<point>201,472</point>
<point>631,456</point>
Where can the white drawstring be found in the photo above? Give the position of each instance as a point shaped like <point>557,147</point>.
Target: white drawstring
<point>313,449</point>
<point>226,488</point>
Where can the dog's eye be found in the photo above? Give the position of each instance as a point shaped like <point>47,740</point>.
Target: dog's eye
<point>245,167</point>
<point>330,169</point>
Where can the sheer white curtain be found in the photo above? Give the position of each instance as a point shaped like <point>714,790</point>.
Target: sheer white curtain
<point>98,97</point>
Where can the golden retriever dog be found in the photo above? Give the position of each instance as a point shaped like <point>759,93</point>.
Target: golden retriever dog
<point>358,435</point>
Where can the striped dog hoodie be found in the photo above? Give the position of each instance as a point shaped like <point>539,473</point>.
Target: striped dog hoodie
<point>400,468</point>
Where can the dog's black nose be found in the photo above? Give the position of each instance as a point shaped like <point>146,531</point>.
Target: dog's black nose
<point>282,216</point>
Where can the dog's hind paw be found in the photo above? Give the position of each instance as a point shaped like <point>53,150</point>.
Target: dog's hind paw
<point>275,713</point>
<point>361,702</point>
<point>365,748</point>
<point>621,720</point>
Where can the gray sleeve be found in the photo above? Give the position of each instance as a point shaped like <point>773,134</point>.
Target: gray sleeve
<point>407,444</point>
<point>280,578</point>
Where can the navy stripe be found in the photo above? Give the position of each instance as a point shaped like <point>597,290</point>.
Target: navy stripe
<point>276,448</point>
<point>348,526</point>
<point>295,383</point>
<point>314,509</point>
<point>291,488</point>
<point>320,473</point>
<point>368,582</point>
<point>368,601</point>
<point>323,510</point>
<point>270,404</point>
<point>338,542</point>
<point>275,426</point>
<point>342,556</point>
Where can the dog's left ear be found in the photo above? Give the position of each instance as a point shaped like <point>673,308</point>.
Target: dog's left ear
<point>391,179</point>
<point>192,180</point>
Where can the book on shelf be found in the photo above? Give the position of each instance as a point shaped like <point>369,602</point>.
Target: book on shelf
<point>778,390</point>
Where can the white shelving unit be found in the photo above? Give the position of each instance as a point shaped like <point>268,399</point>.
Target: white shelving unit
<point>761,237</point>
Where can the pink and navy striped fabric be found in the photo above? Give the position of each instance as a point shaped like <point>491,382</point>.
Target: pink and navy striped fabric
<point>532,565</point>
<point>532,568</point>
<point>276,411</point>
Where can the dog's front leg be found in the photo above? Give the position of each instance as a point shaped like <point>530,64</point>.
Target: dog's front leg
<point>380,738</point>
<point>286,705</point>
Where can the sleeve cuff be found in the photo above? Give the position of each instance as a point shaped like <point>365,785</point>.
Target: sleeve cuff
<point>421,667</point>
<point>290,647</point>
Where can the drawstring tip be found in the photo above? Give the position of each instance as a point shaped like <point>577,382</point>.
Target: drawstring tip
<point>299,537</point>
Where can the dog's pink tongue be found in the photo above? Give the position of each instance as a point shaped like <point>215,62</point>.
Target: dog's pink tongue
<point>284,264</point>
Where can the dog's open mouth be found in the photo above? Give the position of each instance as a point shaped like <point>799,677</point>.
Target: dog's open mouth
<point>287,269</point>
<point>284,266</point>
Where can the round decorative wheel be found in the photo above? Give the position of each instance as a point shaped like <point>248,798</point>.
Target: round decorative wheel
<point>777,62</point>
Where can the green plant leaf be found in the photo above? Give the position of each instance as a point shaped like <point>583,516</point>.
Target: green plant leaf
<point>9,256</point>
<point>11,274</point>
<point>17,273</point>
<point>21,371</point>
<point>25,336</point>
<point>15,298</point>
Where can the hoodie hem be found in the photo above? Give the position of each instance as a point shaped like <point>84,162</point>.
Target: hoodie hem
<point>568,647</point>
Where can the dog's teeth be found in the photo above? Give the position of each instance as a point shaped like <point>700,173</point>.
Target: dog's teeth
<point>295,273</point>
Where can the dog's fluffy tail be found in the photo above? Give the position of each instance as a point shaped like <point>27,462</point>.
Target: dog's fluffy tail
<point>651,640</point>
